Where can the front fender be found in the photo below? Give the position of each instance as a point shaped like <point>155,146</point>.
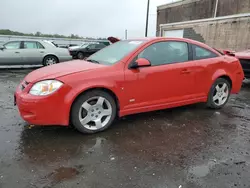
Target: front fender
<point>76,91</point>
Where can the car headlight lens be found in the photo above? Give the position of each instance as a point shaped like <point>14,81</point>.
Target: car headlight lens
<point>45,87</point>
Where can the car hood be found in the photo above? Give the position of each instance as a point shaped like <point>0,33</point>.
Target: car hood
<point>243,55</point>
<point>61,69</point>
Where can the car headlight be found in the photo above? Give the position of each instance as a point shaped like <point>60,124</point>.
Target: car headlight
<point>45,87</point>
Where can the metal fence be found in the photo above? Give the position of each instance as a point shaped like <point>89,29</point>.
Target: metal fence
<point>59,41</point>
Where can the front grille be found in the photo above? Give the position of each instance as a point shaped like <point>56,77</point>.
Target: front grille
<point>24,85</point>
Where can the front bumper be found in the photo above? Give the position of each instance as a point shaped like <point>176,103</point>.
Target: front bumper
<point>43,110</point>
<point>73,53</point>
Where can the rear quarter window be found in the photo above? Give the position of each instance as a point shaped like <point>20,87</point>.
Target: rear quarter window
<point>202,53</point>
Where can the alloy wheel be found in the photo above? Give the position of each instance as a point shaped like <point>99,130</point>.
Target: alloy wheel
<point>221,94</point>
<point>50,61</point>
<point>95,113</point>
<point>80,56</point>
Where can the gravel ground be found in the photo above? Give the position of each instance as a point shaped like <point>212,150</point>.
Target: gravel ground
<point>187,147</point>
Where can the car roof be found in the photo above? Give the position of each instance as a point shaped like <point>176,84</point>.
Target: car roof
<point>20,40</point>
<point>159,39</point>
<point>164,39</point>
<point>149,39</point>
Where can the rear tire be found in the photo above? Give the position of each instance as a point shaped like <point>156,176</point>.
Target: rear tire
<point>50,60</point>
<point>93,112</point>
<point>219,94</point>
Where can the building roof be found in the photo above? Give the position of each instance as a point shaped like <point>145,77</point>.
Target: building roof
<point>175,4</point>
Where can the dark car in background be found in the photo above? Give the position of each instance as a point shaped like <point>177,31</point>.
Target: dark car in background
<point>86,49</point>
<point>244,58</point>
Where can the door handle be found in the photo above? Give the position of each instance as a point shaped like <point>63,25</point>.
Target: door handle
<point>41,52</point>
<point>185,71</point>
<point>17,52</point>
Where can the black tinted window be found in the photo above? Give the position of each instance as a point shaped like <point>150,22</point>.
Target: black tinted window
<point>92,46</point>
<point>202,53</point>
<point>100,46</point>
<point>165,53</point>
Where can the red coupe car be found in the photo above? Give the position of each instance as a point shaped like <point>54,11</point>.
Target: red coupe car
<point>128,77</point>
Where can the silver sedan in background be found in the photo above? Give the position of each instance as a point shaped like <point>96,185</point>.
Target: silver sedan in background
<point>31,52</point>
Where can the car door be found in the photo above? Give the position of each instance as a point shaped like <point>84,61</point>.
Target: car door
<point>206,62</point>
<point>91,49</point>
<point>11,54</point>
<point>32,52</point>
<point>100,46</point>
<point>169,79</point>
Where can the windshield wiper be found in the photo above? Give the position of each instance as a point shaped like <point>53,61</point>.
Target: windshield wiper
<point>93,61</point>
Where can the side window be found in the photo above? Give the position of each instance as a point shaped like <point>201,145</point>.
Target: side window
<point>106,43</point>
<point>91,46</point>
<point>30,45</point>
<point>162,53</point>
<point>12,45</point>
<point>202,53</point>
<point>100,46</point>
<point>39,45</point>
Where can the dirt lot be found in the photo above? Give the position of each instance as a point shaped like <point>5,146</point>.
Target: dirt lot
<point>187,147</point>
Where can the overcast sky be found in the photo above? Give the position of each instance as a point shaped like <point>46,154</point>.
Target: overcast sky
<point>90,18</point>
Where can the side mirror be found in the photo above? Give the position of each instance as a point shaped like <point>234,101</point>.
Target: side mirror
<point>141,62</point>
<point>2,47</point>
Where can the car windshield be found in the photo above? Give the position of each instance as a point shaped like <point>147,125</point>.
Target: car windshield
<point>115,52</point>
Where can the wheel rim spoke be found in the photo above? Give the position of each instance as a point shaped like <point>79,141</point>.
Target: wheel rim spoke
<point>224,86</point>
<point>100,101</point>
<point>98,123</point>
<point>107,112</point>
<point>220,101</point>
<point>86,106</point>
<point>217,88</point>
<point>85,120</point>
<point>216,97</point>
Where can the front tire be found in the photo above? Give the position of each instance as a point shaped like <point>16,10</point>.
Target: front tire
<point>219,94</point>
<point>80,55</point>
<point>93,112</point>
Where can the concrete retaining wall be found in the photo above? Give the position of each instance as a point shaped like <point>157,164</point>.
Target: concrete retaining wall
<point>231,33</point>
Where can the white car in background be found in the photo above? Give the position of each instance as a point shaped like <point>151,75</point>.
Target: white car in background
<point>32,52</point>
